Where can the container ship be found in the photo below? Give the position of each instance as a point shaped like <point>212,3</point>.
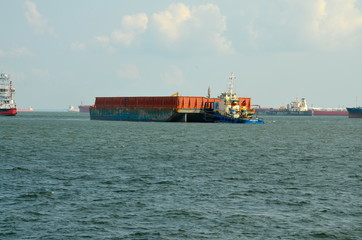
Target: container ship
<point>7,102</point>
<point>227,108</point>
<point>355,112</point>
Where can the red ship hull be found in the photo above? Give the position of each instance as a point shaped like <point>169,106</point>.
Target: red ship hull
<point>8,112</point>
<point>330,113</point>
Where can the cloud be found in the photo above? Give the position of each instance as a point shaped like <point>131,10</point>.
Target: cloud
<point>171,23</point>
<point>16,52</point>
<point>104,42</point>
<point>174,77</point>
<point>77,46</point>
<point>314,24</point>
<point>199,27</point>
<point>334,24</point>
<point>129,72</point>
<point>179,28</point>
<point>40,72</point>
<point>36,20</point>
<point>102,39</point>
<point>20,52</point>
<point>132,26</point>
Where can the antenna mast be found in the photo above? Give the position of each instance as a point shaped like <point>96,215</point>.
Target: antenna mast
<point>231,83</point>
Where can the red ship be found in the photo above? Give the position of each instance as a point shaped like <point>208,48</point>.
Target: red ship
<point>7,102</point>
<point>330,112</point>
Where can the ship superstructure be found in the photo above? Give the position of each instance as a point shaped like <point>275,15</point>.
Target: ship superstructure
<point>7,102</point>
<point>298,105</point>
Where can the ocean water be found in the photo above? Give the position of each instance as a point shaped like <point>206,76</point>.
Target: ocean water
<point>64,176</point>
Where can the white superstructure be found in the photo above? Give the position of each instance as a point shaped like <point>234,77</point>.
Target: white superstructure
<point>298,105</point>
<point>6,93</point>
<point>229,102</point>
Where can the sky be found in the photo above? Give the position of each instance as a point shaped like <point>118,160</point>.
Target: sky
<point>62,53</point>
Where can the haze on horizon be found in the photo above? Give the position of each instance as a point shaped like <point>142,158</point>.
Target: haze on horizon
<point>61,53</point>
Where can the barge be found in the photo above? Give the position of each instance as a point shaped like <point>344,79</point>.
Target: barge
<point>226,108</point>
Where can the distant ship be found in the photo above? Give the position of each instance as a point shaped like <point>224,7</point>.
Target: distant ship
<point>7,102</point>
<point>300,108</point>
<point>84,108</point>
<point>355,112</point>
<point>72,109</point>
<point>295,108</point>
<point>30,109</point>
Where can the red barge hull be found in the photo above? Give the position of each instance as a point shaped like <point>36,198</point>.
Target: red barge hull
<point>330,113</point>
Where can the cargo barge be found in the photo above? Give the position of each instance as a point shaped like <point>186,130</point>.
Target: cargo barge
<point>355,112</point>
<point>226,108</point>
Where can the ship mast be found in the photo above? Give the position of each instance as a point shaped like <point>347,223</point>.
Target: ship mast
<point>11,89</point>
<point>231,83</point>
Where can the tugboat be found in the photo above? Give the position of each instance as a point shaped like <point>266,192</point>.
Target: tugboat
<point>7,103</point>
<point>230,110</point>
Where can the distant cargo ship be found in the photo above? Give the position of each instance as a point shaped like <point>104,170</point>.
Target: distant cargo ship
<point>7,102</point>
<point>355,112</point>
<point>84,108</point>
<point>227,108</point>
<point>295,108</point>
<point>300,108</point>
<point>30,109</point>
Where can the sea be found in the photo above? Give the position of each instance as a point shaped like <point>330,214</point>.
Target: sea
<point>64,176</point>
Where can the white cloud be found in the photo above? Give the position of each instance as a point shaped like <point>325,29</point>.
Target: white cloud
<point>77,46</point>
<point>102,39</point>
<point>16,52</point>
<point>170,23</point>
<point>132,26</point>
<point>104,42</point>
<point>179,28</point>
<point>317,24</point>
<point>129,72</point>
<point>20,52</point>
<point>334,24</point>
<point>174,77</point>
<point>36,19</point>
<point>199,27</point>
<point>40,72</point>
